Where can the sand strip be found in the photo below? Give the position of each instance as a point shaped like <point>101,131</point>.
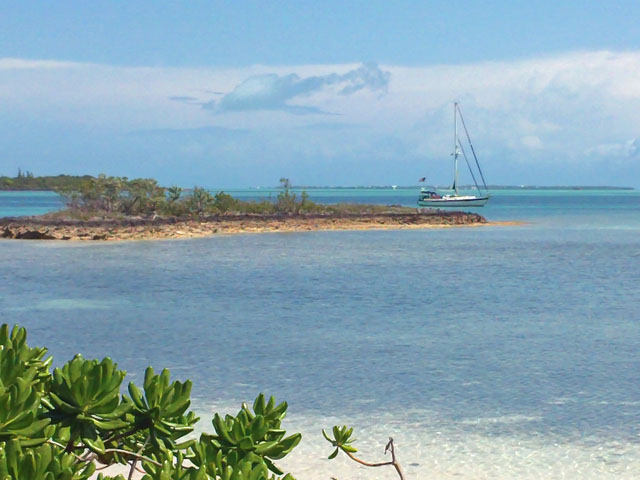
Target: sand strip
<point>40,228</point>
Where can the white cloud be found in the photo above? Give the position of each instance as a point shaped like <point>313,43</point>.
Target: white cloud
<point>554,110</point>
<point>23,64</point>
<point>629,148</point>
<point>275,92</point>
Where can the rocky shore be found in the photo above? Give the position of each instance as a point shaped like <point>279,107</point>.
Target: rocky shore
<point>136,228</point>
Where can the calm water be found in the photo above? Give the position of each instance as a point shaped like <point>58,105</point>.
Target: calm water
<point>16,204</point>
<point>498,352</point>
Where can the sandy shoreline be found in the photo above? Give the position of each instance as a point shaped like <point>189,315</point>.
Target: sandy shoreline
<point>43,228</point>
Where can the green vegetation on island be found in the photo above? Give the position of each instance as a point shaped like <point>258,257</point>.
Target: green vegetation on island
<point>116,208</point>
<point>113,197</point>
<point>27,181</point>
<point>119,196</point>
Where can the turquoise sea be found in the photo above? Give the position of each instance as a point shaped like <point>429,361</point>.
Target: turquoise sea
<point>487,353</point>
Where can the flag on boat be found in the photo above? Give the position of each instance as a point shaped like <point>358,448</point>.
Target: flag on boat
<point>422,179</point>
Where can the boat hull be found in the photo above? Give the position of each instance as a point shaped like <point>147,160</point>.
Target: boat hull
<point>451,201</point>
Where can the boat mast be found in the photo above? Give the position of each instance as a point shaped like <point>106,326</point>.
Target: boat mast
<point>455,147</point>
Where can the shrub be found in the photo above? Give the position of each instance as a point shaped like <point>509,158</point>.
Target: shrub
<point>225,202</point>
<point>114,195</point>
<point>288,203</point>
<point>200,201</point>
<point>58,425</point>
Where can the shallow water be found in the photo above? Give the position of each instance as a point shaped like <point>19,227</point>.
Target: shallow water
<point>495,352</point>
<point>16,204</point>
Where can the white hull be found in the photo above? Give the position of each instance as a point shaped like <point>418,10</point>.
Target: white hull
<point>454,201</point>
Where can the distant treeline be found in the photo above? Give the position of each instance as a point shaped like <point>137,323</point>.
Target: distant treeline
<point>557,187</point>
<point>467,187</point>
<point>28,181</point>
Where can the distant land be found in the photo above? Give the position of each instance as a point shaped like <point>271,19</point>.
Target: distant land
<point>116,208</point>
<point>469,187</point>
<point>25,181</point>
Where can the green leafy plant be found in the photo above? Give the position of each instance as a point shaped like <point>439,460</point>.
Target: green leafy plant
<point>45,462</point>
<point>251,438</point>
<point>23,357</point>
<point>173,468</point>
<point>85,395</point>
<point>19,414</point>
<point>59,426</point>
<point>160,410</point>
<point>23,376</point>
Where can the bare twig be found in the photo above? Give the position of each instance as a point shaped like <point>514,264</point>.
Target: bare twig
<point>133,454</point>
<point>126,452</point>
<point>390,447</point>
<point>104,467</point>
<point>394,461</point>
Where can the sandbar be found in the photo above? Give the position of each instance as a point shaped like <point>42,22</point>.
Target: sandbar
<point>137,228</point>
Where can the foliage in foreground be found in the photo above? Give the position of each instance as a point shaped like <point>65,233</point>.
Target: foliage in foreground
<point>59,425</point>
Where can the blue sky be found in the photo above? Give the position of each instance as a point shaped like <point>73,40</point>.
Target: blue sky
<point>334,92</point>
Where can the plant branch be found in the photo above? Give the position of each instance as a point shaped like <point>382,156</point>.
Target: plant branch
<point>366,464</point>
<point>53,442</point>
<point>390,447</point>
<point>133,454</point>
<point>69,447</point>
<point>127,452</point>
<point>394,462</point>
<point>133,464</point>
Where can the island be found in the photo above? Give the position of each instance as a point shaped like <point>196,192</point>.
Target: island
<point>116,208</point>
<point>27,181</point>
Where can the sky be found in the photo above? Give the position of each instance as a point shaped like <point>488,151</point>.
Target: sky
<point>242,93</point>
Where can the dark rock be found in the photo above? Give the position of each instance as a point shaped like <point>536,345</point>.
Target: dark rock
<point>34,235</point>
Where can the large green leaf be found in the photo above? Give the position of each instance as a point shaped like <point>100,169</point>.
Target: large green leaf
<point>85,396</point>
<point>46,462</point>
<point>18,360</point>
<point>21,373</point>
<point>251,439</point>
<point>160,409</point>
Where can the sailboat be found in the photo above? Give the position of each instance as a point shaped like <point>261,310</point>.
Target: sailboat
<point>431,198</point>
